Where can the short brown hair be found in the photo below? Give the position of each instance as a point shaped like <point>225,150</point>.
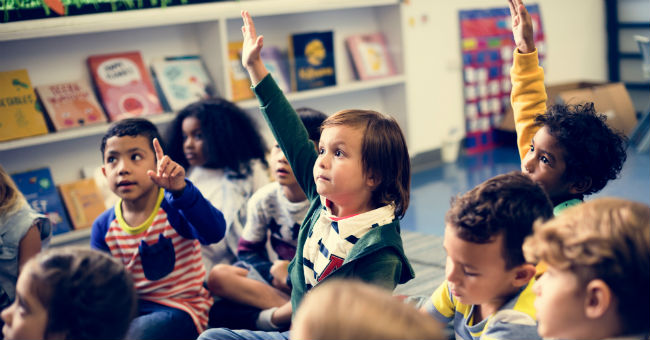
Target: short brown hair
<point>385,156</point>
<point>607,239</point>
<point>506,204</point>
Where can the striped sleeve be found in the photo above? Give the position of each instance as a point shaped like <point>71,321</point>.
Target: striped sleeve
<point>510,324</point>
<point>440,306</point>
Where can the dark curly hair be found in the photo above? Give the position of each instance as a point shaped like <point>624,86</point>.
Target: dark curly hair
<point>592,150</point>
<point>506,204</point>
<point>87,293</point>
<point>231,139</point>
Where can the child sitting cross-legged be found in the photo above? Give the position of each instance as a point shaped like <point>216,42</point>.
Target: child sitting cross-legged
<point>258,280</point>
<point>598,271</point>
<point>487,292</point>
<point>156,230</point>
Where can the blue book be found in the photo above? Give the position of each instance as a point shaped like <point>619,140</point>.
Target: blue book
<point>38,188</point>
<point>312,60</point>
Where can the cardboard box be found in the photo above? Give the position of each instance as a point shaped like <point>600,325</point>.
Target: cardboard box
<point>611,99</point>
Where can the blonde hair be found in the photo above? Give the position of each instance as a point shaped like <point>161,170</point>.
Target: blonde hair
<point>342,309</point>
<point>11,199</point>
<point>607,239</point>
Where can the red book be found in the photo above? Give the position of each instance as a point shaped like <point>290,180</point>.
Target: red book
<point>124,85</point>
<point>70,104</point>
<point>370,56</point>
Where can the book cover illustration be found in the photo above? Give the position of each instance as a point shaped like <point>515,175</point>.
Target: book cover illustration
<point>38,188</point>
<point>83,201</point>
<point>124,85</point>
<point>240,84</point>
<point>277,64</point>
<point>20,113</point>
<point>70,104</point>
<point>312,60</point>
<point>182,80</point>
<point>370,56</point>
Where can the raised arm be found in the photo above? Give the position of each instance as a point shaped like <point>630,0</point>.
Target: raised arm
<point>169,175</point>
<point>528,96</point>
<point>250,55</point>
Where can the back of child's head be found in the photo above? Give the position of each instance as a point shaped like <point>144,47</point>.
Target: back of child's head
<point>230,137</point>
<point>10,197</point>
<point>592,150</point>
<point>312,120</point>
<point>606,239</point>
<point>132,127</point>
<point>385,156</point>
<point>87,293</point>
<point>505,205</point>
<point>345,309</point>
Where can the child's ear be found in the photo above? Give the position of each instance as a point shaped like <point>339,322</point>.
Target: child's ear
<point>580,186</point>
<point>523,274</point>
<point>598,299</point>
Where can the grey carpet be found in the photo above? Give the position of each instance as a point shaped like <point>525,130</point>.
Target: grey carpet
<point>428,260</point>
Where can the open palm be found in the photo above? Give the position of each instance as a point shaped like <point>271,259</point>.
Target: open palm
<point>522,26</point>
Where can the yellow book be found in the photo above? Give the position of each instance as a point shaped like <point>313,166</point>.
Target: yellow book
<point>84,202</point>
<point>20,114</point>
<point>240,84</point>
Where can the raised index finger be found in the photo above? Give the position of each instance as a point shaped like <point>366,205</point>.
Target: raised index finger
<point>159,151</point>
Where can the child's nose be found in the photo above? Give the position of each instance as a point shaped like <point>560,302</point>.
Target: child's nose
<point>6,314</point>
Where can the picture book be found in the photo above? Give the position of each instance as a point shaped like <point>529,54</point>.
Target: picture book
<point>370,56</point>
<point>181,81</point>
<point>123,84</point>
<point>311,56</point>
<point>277,64</point>
<point>83,201</point>
<point>38,188</point>
<point>240,84</point>
<point>70,104</point>
<point>20,113</point>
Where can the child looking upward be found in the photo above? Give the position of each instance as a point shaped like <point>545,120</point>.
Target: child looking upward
<point>598,271</point>
<point>224,156</point>
<point>568,149</point>
<point>156,230</point>
<point>357,183</point>
<point>487,291</point>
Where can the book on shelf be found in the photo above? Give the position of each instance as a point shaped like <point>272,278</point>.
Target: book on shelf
<point>123,84</point>
<point>277,64</point>
<point>240,84</point>
<point>370,56</point>
<point>83,201</point>
<point>70,104</point>
<point>311,56</point>
<point>38,188</point>
<point>181,81</point>
<point>20,113</point>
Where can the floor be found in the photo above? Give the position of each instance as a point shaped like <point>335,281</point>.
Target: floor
<point>432,189</point>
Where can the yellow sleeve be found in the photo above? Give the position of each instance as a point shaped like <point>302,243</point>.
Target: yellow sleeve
<point>440,299</point>
<point>528,97</point>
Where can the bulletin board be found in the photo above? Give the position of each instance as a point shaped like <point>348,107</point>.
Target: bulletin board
<point>487,46</point>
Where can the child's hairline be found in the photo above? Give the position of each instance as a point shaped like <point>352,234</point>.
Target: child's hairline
<point>150,143</point>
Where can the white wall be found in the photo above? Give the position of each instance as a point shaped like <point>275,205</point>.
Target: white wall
<point>576,50</point>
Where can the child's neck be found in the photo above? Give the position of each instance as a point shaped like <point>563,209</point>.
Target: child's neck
<point>484,310</point>
<point>293,193</point>
<point>345,210</point>
<point>136,211</point>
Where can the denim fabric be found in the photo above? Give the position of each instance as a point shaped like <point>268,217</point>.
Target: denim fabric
<point>242,334</point>
<point>155,321</point>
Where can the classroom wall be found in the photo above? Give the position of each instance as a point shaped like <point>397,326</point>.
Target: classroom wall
<point>576,50</point>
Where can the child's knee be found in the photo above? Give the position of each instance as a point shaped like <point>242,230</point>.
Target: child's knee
<point>219,277</point>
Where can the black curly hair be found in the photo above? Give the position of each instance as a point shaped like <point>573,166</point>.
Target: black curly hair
<point>592,150</point>
<point>231,139</point>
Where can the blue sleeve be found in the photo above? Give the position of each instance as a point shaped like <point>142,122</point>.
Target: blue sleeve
<point>193,216</point>
<point>99,230</point>
<point>510,324</point>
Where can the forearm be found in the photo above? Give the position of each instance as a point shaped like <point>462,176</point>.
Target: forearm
<point>257,71</point>
<point>282,315</point>
<point>205,221</point>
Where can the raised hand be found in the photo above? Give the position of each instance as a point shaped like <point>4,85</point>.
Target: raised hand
<point>169,175</point>
<point>522,26</point>
<point>250,55</point>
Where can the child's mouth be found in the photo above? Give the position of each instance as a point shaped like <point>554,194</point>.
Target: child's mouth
<point>125,184</point>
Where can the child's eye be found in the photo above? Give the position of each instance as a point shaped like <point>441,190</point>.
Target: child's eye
<point>338,153</point>
<point>532,147</point>
<point>469,273</point>
<point>321,151</point>
<point>277,146</point>
<point>198,136</point>
<point>544,160</point>
<point>136,157</point>
<point>110,159</point>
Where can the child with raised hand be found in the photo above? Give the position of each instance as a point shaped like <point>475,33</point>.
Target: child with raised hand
<point>223,153</point>
<point>487,291</point>
<point>258,280</point>
<point>156,230</point>
<point>598,271</point>
<point>568,149</point>
<point>71,293</point>
<point>23,232</point>
<point>358,186</point>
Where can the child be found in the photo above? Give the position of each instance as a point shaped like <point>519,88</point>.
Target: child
<point>346,309</point>
<point>155,231</point>
<point>358,186</point>
<point>71,293</point>
<point>596,283</point>
<point>278,209</point>
<point>569,149</point>
<point>22,233</point>
<point>487,291</point>
<point>224,155</point>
